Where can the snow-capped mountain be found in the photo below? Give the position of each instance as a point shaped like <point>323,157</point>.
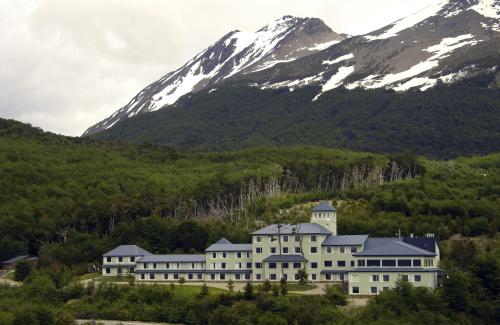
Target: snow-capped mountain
<point>445,42</point>
<point>237,53</point>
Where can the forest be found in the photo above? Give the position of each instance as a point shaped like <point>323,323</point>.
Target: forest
<point>68,200</point>
<point>441,123</point>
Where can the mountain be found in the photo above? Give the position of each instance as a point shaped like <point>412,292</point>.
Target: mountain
<point>427,83</point>
<point>237,53</point>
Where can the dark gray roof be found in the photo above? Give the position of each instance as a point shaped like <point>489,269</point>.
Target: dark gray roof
<point>222,241</point>
<point>173,258</point>
<point>285,258</point>
<point>15,259</point>
<point>344,240</point>
<point>229,247</point>
<point>393,269</point>
<point>427,243</point>
<point>287,229</point>
<point>391,247</point>
<point>127,250</point>
<point>323,207</point>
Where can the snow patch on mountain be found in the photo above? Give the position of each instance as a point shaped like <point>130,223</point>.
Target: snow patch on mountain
<point>335,80</point>
<point>339,59</point>
<point>487,8</point>
<point>323,46</point>
<point>409,21</point>
<point>291,84</point>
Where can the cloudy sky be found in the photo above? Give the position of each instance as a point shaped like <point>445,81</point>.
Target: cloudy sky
<point>67,64</point>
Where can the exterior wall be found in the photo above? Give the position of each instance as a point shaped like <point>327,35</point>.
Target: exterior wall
<point>170,271</point>
<point>416,261</point>
<point>118,266</point>
<point>326,219</point>
<point>232,262</point>
<point>341,259</point>
<point>364,281</point>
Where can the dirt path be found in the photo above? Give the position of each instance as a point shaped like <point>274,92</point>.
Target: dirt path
<point>5,280</point>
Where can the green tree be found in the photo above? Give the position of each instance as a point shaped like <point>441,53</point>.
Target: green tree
<point>456,290</point>
<point>23,269</point>
<point>248,291</point>
<point>266,286</point>
<point>182,280</point>
<point>230,285</point>
<point>335,295</point>
<point>302,275</point>
<point>204,290</point>
<point>276,290</point>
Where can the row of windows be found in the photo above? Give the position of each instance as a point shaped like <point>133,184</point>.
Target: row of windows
<point>225,255</point>
<point>120,259</point>
<point>394,262</point>
<point>313,250</point>
<point>274,276</point>
<point>285,238</point>
<point>174,265</point>
<point>118,270</point>
<point>223,265</point>
<point>174,276</point>
<point>285,265</point>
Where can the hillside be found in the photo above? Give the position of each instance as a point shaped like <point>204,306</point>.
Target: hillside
<point>445,121</point>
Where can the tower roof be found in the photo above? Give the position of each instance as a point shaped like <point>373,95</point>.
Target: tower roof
<point>323,207</point>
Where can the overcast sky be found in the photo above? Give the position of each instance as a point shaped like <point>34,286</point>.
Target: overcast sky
<point>67,64</point>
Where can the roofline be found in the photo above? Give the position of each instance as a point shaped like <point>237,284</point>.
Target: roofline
<point>395,255</point>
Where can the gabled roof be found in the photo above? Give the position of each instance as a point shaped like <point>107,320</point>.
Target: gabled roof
<point>285,258</point>
<point>229,248</point>
<point>427,243</point>
<point>222,241</point>
<point>173,258</point>
<point>323,207</point>
<point>344,240</point>
<point>15,259</point>
<point>127,250</point>
<point>300,229</point>
<point>391,247</point>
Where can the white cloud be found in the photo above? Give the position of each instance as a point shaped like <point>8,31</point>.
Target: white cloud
<point>67,64</point>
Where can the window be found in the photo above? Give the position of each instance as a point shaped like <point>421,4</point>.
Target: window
<point>152,276</point>
<point>285,250</point>
<point>354,278</point>
<point>296,276</point>
<point>167,265</point>
<point>165,276</point>
<point>131,270</point>
<point>313,238</point>
<point>342,277</point>
<point>222,265</point>
<point>258,250</point>
<point>373,290</point>
<point>272,276</point>
<point>214,265</point>
<point>373,262</point>
<point>328,249</point>
<point>297,250</point>
<point>374,278</point>
<point>328,276</point>
<point>200,276</point>
<point>273,250</point>
<point>285,265</point>
<point>258,265</point>
<point>341,263</point>
<point>212,276</point>
<point>248,254</point>
<point>272,265</point>
<point>258,276</point>
<point>328,263</point>
<point>238,255</point>
<point>247,276</point>
<point>386,277</point>
<point>355,290</point>
<point>297,239</point>
<point>214,255</point>
<point>119,270</point>
<point>237,276</point>
<point>388,262</point>
<point>354,249</point>
<point>249,265</point>
<point>314,265</point>
<point>108,270</point>
<point>361,263</point>
<point>342,249</point>
<point>313,276</point>
<point>404,277</point>
<point>297,265</point>
<point>132,259</point>
<point>222,277</point>
<point>224,255</point>
<point>190,276</point>
<point>258,239</point>
<point>285,239</point>
<point>428,262</point>
<point>417,263</point>
<point>314,250</point>
<point>417,278</point>
<point>108,259</point>
<point>142,277</point>
<point>146,265</point>
<point>154,265</point>
<point>193,265</point>
<point>404,262</point>
<point>285,277</point>
<point>120,259</point>
<point>352,263</point>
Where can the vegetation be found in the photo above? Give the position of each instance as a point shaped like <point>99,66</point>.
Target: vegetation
<point>445,121</point>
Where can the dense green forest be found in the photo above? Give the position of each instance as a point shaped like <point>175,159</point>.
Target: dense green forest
<point>68,200</point>
<point>443,122</point>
